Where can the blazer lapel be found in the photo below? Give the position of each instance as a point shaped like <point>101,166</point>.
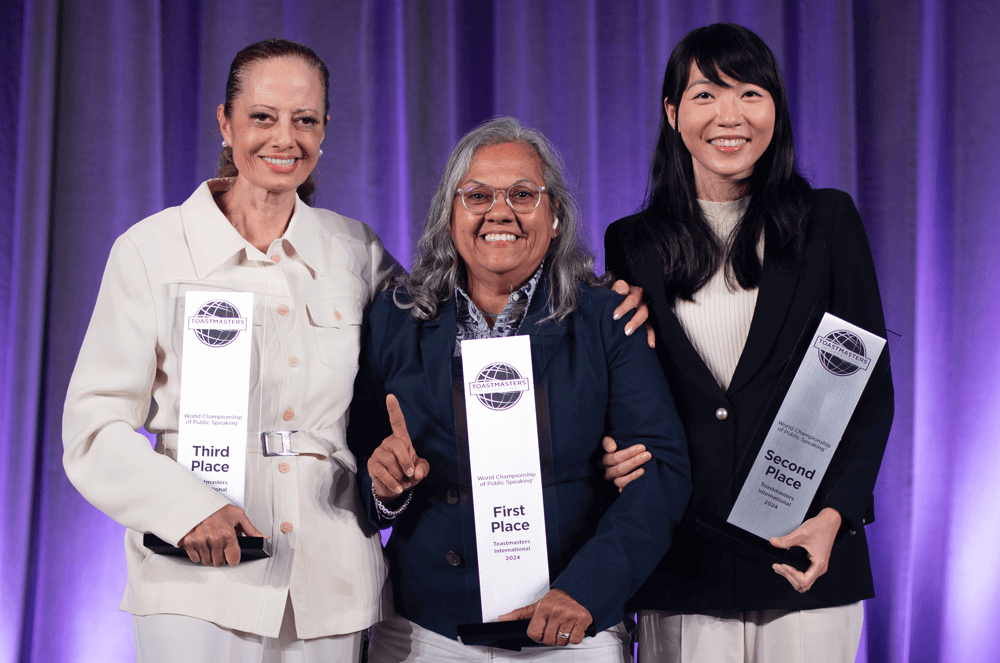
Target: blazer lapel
<point>545,337</point>
<point>777,289</point>
<point>436,349</point>
<point>649,272</point>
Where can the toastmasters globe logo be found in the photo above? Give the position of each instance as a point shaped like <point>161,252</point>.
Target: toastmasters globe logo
<point>842,353</point>
<point>217,323</point>
<point>498,386</point>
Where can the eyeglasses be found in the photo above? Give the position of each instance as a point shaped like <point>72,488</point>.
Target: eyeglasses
<point>479,198</point>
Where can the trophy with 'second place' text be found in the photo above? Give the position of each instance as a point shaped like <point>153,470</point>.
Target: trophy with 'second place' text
<point>793,448</point>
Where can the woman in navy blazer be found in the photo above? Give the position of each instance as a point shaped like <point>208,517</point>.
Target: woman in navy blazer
<point>502,237</point>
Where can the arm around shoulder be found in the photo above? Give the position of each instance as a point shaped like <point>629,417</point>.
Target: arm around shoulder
<point>615,258</point>
<point>384,266</point>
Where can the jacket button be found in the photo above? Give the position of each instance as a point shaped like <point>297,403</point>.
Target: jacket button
<point>722,414</point>
<point>453,558</point>
<point>452,496</point>
<point>286,527</point>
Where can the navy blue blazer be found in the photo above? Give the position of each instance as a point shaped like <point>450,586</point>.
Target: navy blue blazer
<point>598,381</point>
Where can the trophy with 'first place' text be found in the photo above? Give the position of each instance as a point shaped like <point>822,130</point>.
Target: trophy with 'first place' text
<point>501,433</point>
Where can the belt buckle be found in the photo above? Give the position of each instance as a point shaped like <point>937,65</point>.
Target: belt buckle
<point>286,442</point>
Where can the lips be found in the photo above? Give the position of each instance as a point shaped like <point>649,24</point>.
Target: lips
<point>727,144</point>
<point>280,165</point>
<point>499,237</point>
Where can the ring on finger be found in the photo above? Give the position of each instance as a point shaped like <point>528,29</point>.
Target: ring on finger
<point>562,635</point>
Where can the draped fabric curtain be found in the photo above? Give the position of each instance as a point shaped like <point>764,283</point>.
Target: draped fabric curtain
<point>113,118</point>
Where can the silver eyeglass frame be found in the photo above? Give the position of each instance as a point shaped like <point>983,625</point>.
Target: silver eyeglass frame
<point>506,196</point>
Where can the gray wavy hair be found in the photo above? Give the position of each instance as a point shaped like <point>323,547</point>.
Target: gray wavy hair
<point>568,264</point>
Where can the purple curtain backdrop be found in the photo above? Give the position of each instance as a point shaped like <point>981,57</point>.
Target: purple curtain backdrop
<point>113,118</point>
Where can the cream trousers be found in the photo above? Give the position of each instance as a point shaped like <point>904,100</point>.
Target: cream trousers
<point>823,635</point>
<point>172,638</point>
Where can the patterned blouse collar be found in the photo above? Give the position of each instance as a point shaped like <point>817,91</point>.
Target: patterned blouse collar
<point>472,323</point>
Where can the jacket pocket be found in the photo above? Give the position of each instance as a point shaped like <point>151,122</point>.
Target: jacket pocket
<point>336,326</point>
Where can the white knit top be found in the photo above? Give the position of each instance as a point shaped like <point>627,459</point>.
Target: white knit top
<point>718,320</point>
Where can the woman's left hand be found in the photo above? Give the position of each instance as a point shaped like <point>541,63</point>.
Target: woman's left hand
<point>555,616</point>
<point>633,300</point>
<point>816,535</point>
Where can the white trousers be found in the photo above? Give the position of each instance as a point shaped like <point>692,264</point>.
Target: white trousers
<point>823,635</point>
<point>398,640</point>
<point>172,638</point>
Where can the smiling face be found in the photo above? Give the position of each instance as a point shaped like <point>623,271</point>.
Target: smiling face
<point>501,249</point>
<point>277,125</point>
<point>726,129</point>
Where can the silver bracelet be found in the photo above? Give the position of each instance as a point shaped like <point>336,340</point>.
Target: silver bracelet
<point>384,511</point>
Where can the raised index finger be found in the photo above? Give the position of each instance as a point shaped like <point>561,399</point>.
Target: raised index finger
<point>396,418</point>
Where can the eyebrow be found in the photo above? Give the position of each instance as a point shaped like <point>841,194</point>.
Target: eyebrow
<point>297,110</point>
<point>518,181</point>
<point>700,81</point>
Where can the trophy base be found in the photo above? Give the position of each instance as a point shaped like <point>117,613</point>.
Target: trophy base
<point>251,547</point>
<point>750,546</point>
<point>502,635</point>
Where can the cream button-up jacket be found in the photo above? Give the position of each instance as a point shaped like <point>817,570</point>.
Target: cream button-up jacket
<point>309,292</point>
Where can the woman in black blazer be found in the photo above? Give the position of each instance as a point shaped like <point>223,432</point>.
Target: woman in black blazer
<point>734,250</point>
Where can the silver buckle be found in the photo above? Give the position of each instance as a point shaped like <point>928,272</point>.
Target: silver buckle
<point>286,442</point>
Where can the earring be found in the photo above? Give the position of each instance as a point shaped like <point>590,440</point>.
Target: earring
<point>224,142</point>
<point>321,151</point>
<point>555,223</point>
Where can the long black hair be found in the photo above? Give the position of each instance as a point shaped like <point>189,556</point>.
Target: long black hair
<point>672,220</point>
<point>270,49</point>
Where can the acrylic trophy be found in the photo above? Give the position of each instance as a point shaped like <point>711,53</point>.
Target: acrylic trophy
<point>214,401</point>
<point>828,383</point>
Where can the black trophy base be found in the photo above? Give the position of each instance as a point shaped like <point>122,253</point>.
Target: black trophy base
<point>502,635</point>
<point>251,547</point>
<point>750,546</point>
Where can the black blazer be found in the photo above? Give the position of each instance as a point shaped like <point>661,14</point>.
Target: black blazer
<point>834,268</point>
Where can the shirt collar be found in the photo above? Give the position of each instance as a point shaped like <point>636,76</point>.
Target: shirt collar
<point>525,293</point>
<point>212,239</point>
<point>305,236</point>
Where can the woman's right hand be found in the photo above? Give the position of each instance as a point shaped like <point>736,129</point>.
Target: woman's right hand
<point>625,466</point>
<point>213,542</point>
<point>395,466</point>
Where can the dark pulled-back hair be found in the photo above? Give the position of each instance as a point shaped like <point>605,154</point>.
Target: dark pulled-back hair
<point>262,51</point>
<point>672,219</point>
